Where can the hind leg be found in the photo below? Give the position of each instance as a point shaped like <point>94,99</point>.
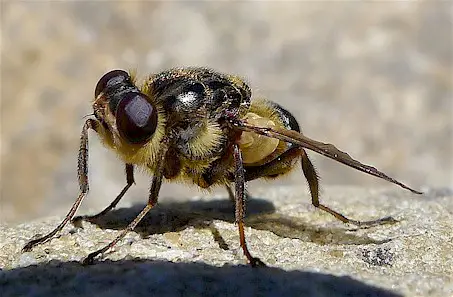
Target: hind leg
<point>313,182</point>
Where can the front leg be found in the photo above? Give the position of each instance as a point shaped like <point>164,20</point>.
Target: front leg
<point>83,184</point>
<point>152,201</point>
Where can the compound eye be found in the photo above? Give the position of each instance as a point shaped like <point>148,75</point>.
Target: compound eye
<point>109,79</point>
<point>136,118</point>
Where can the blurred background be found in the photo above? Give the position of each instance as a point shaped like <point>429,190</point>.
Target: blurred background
<point>375,79</point>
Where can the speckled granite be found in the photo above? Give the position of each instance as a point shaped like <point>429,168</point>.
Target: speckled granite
<point>192,247</point>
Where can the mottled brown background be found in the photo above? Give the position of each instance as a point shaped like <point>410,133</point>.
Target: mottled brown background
<point>373,78</point>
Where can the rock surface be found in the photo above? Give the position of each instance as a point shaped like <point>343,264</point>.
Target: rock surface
<point>372,78</point>
<point>191,248</point>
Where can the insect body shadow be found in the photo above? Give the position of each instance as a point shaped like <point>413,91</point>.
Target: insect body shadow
<point>261,215</point>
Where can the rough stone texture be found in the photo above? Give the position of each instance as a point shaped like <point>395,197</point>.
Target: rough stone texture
<point>372,78</point>
<point>192,248</point>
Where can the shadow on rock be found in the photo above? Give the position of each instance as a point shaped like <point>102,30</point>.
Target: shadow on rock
<point>260,214</point>
<point>158,278</point>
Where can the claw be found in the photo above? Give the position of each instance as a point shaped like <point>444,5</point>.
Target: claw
<point>256,262</point>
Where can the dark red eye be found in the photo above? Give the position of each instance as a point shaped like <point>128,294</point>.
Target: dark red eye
<point>114,77</point>
<point>136,118</point>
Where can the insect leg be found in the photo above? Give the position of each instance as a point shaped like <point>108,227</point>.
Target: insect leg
<point>152,201</point>
<point>130,181</point>
<point>240,206</point>
<point>82,173</point>
<point>277,167</point>
<point>313,183</point>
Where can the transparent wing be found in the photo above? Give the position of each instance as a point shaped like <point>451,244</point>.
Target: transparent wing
<point>325,149</point>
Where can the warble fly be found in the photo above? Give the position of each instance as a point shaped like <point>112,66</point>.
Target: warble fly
<point>202,127</point>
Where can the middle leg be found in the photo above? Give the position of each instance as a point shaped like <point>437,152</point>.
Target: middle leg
<point>130,181</point>
<point>240,206</point>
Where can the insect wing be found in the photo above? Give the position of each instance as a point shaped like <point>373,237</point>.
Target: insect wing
<point>325,149</point>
